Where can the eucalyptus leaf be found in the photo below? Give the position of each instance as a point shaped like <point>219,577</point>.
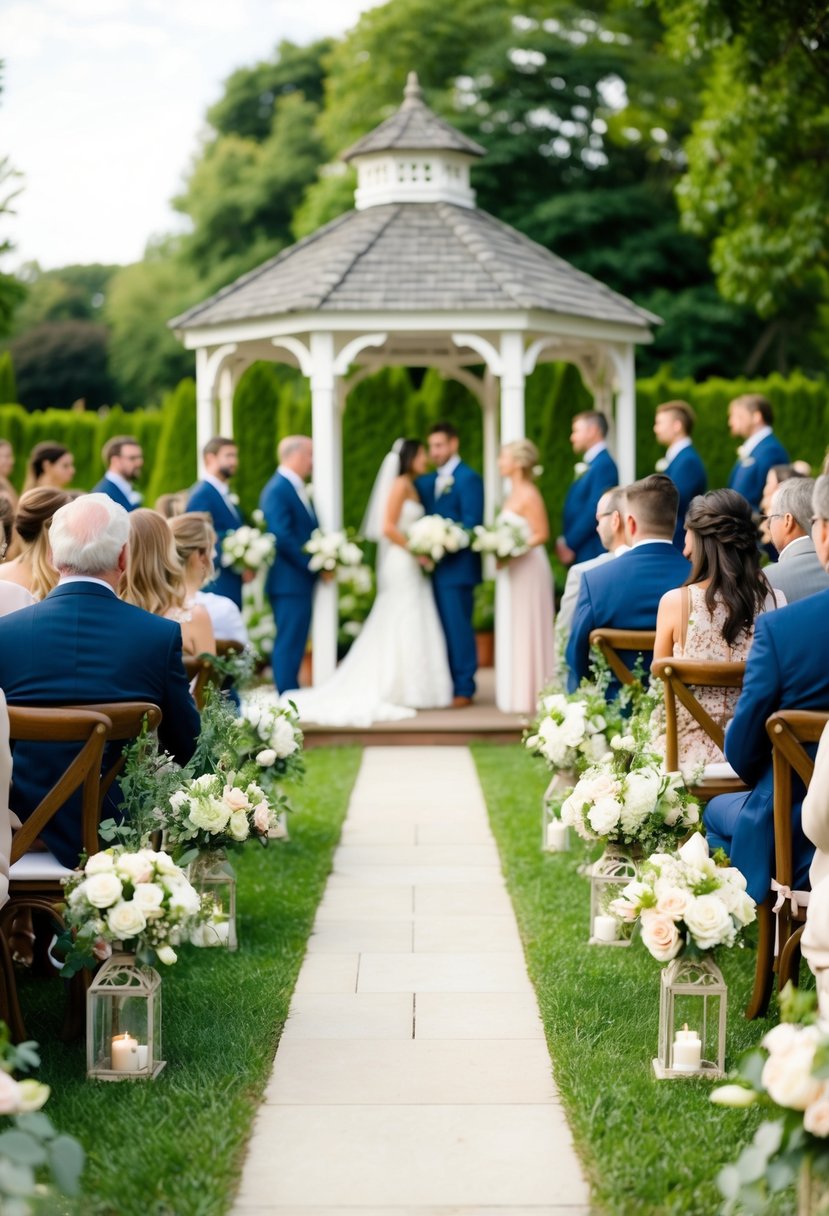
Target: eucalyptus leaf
<point>754,1198</point>
<point>187,858</point>
<point>15,1178</point>
<point>67,1157</point>
<point>36,1124</point>
<point>769,1137</point>
<point>21,1147</point>
<point>751,1164</point>
<point>26,1056</point>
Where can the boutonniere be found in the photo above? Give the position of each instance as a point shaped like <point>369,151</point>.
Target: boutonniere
<point>234,498</point>
<point>741,451</point>
<point>137,498</point>
<point>580,469</point>
<point>661,465</point>
<point>446,485</point>
<point>309,489</point>
<point>747,462</point>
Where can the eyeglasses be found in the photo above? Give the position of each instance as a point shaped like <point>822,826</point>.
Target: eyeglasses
<point>776,515</point>
<point>604,514</point>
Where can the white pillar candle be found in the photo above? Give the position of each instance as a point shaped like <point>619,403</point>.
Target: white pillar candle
<point>124,1049</point>
<point>687,1053</point>
<point>605,928</point>
<point>557,838</point>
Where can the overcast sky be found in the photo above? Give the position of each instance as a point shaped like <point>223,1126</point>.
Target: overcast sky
<point>103,103</point>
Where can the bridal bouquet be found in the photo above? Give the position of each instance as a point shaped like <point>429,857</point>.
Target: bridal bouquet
<point>503,539</point>
<point>433,537</point>
<point>685,901</point>
<point>573,730</point>
<point>333,551</point>
<point>248,548</point>
<point>141,899</point>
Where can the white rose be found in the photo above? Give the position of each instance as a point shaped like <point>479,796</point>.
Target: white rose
<point>165,864</point>
<point>266,757</point>
<point>103,890</point>
<point>235,798</point>
<point>184,898</point>
<point>709,922</point>
<point>282,738</point>
<point>695,851</point>
<point>134,868</point>
<point>253,713</point>
<point>555,703</point>
<point>99,863</point>
<point>210,815</point>
<point>10,1095</point>
<point>149,897</point>
<point>166,955</point>
<point>816,1116</point>
<point>660,936</point>
<point>640,794</point>
<point>33,1095</point>
<point>603,816</point>
<point>179,799</point>
<point>126,919</point>
<point>594,786</point>
<point>787,1076</point>
<point>239,826</point>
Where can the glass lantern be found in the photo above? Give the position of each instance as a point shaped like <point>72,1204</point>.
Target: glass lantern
<point>280,829</point>
<point>123,1023</point>
<point>212,874</point>
<point>555,835</point>
<point>692,1010</point>
<point>609,876</point>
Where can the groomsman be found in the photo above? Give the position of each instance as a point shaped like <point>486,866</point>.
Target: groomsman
<point>750,417</point>
<point>455,491</point>
<point>221,461</point>
<point>594,474</point>
<point>672,427</point>
<point>290,516</point>
<point>123,460</point>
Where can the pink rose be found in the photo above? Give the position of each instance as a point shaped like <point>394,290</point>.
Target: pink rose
<point>10,1094</point>
<point>660,936</point>
<point>235,798</point>
<point>262,818</point>
<point>816,1116</point>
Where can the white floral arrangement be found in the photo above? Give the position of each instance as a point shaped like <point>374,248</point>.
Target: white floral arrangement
<point>248,548</point>
<point>433,537</point>
<point>141,899</point>
<point>503,540</point>
<point>271,738</point>
<point>685,901</point>
<point>209,813</point>
<point>571,730</point>
<point>332,551</point>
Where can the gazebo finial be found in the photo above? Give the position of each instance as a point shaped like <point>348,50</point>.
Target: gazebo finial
<point>412,92</point>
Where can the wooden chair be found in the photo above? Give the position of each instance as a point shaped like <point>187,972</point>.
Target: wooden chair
<point>201,671</point>
<point>782,915</point>
<point>679,678</point>
<point>610,641</point>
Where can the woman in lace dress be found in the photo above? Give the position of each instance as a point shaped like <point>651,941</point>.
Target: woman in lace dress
<point>526,583</point>
<point>712,617</point>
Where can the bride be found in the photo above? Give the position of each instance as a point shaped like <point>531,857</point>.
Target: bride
<point>398,663</point>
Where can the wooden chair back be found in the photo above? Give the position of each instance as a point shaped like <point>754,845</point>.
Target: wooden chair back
<point>610,641</point>
<point>226,646</point>
<point>198,669</point>
<point>126,722</point>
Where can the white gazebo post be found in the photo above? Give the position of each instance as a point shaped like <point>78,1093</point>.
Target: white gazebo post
<point>625,413</point>
<point>492,478</point>
<point>226,386</point>
<point>204,404</point>
<point>326,429</point>
<point>512,427</point>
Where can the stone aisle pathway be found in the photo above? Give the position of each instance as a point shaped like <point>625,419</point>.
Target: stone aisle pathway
<point>413,1078</point>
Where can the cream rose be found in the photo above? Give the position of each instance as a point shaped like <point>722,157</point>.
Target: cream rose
<point>660,936</point>
<point>709,922</point>
<point>787,1076</point>
<point>238,826</point>
<point>672,902</point>
<point>266,757</point>
<point>99,863</point>
<point>33,1095</point>
<point>594,786</point>
<point>134,868</point>
<point>816,1116</point>
<point>235,798</point>
<point>126,919</point>
<point>103,890</point>
<point>149,897</point>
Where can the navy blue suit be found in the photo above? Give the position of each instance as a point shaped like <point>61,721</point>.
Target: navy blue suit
<point>687,472</point>
<point>226,518</point>
<point>748,477</point>
<point>579,525</point>
<point>787,668</point>
<point>622,594</point>
<point>455,577</point>
<point>290,583</point>
<point>82,645</point>
<point>105,486</point>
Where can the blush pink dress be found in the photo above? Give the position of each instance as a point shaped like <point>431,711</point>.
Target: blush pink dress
<point>526,583</point>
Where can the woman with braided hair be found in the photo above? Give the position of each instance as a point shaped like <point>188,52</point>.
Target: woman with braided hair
<point>712,617</point>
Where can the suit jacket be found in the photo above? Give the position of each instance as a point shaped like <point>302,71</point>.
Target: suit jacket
<point>569,599</point>
<point>5,816</point>
<point>580,506</point>
<point>798,572</point>
<point>462,501</point>
<point>292,524</point>
<point>687,472</point>
<point>82,645</point>
<point>748,476</point>
<point>105,486</point>
<point>787,668</point>
<point>226,518</point>
<point>622,594</point>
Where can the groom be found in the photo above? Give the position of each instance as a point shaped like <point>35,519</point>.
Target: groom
<point>456,492</point>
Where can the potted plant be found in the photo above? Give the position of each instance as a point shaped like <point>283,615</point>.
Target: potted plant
<point>483,622</point>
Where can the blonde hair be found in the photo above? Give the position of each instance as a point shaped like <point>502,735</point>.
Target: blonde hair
<point>153,579</point>
<point>525,454</point>
<point>193,532</point>
<point>171,505</point>
<point>31,536</point>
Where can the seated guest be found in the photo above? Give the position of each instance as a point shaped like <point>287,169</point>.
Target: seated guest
<point>797,573</point>
<point>672,427</point>
<point>625,593</point>
<point>816,813</point>
<point>777,474</point>
<point>610,529</point>
<point>750,418</point>
<point>171,505</point>
<point>31,568</point>
<point>154,581</point>
<point>123,461</point>
<point>50,465</point>
<point>82,645</point>
<point>194,539</point>
<point>594,474</point>
<point>787,668</point>
<point>712,616</point>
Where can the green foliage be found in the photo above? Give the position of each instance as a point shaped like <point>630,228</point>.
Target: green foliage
<point>8,384</point>
<point>60,362</point>
<point>255,407</point>
<point>70,293</point>
<point>250,95</point>
<point>175,465</point>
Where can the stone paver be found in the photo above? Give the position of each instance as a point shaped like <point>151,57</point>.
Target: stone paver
<point>413,1077</point>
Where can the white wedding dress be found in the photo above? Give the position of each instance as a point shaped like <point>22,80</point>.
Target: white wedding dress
<point>398,663</point>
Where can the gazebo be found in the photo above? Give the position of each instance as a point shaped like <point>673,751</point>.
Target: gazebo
<point>416,275</point>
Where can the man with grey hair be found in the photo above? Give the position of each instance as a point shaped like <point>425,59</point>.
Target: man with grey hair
<point>610,527</point>
<point>798,572</point>
<point>82,645</point>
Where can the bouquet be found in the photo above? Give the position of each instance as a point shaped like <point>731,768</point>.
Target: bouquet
<point>269,737</point>
<point>686,901</point>
<point>333,551</point>
<point>248,548</point>
<point>139,898</point>
<point>572,731</point>
<point>503,539</point>
<point>433,537</point>
<point>209,813</point>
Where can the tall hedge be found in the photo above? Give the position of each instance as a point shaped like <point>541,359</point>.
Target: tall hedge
<point>255,407</point>
<point>8,385</point>
<point>175,465</point>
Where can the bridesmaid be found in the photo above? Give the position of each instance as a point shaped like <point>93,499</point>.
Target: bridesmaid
<point>526,584</point>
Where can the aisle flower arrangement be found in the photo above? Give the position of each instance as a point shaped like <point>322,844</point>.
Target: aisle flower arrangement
<point>210,814</point>
<point>330,551</point>
<point>433,537</point>
<point>502,540</point>
<point>573,730</point>
<point>249,547</point>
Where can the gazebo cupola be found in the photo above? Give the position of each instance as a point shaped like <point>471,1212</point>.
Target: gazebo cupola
<point>413,157</point>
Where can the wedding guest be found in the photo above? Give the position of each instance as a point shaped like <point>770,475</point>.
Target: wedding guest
<point>455,491</point>
<point>775,477</point>
<point>712,616</point>
<point>527,581</point>
<point>51,465</point>
<point>153,581</point>
<point>290,516</point>
<point>625,593</point>
<point>123,460</point>
<point>673,426</point>
<point>787,668</point>
<point>213,495</point>
<point>82,645</point>
<point>31,568</point>
<point>594,474</point>
<point>750,417</point>
<point>6,468</point>
<point>610,529</point>
<point>195,538</point>
<point>5,814</point>
<point>797,572</point>
<point>171,505</point>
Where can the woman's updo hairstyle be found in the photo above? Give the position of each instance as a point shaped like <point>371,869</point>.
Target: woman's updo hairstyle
<point>525,454</point>
<point>193,532</point>
<point>407,452</point>
<point>35,511</point>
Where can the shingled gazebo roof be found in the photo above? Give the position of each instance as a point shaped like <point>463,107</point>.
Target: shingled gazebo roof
<point>414,126</point>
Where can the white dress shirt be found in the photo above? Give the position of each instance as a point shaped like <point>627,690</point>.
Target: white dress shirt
<point>678,445</point>
<point>591,453</point>
<point>751,443</point>
<point>124,486</point>
<point>445,472</point>
<point>218,484</point>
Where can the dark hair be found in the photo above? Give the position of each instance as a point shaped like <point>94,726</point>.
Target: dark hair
<point>444,428</point>
<point>756,403</point>
<point>595,416</point>
<point>682,411</point>
<point>113,446</point>
<point>727,553</point>
<point>35,511</point>
<point>654,501</point>
<point>43,453</point>
<point>783,472</point>
<point>409,448</point>
<point>215,445</point>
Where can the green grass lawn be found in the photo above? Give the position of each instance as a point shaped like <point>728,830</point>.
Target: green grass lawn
<point>174,1147</point>
<point>648,1147</point>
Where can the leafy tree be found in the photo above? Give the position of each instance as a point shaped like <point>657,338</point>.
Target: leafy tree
<point>8,384</point>
<point>175,466</point>
<point>246,107</point>
<point>60,362</point>
<point>70,293</point>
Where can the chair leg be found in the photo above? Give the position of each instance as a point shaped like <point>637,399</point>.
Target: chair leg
<point>74,1016</point>
<point>788,967</point>
<point>9,1004</point>
<point>764,971</point>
